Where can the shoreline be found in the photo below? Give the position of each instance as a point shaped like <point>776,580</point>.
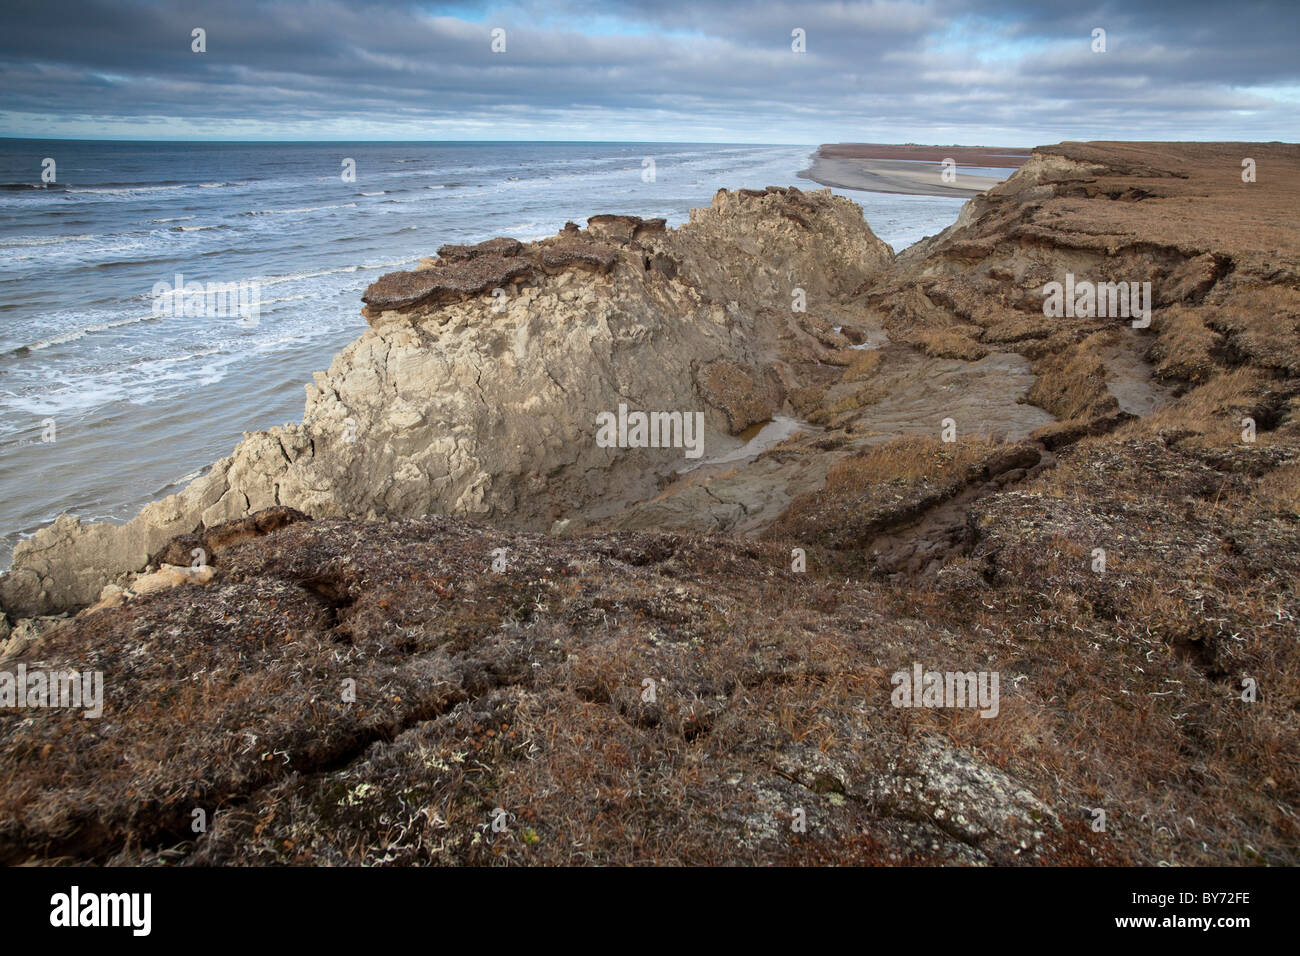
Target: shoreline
<point>909,170</point>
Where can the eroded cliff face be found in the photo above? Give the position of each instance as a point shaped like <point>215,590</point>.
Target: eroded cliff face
<point>1105,532</point>
<point>1218,253</point>
<point>476,389</point>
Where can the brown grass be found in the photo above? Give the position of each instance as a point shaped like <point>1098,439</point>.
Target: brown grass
<point>865,364</point>
<point>952,343</point>
<point>1071,382</point>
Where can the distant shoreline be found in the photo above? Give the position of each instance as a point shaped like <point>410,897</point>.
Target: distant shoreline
<point>910,169</point>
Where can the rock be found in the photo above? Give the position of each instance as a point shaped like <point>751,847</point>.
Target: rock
<point>746,396</point>
<point>964,796</point>
<point>66,565</point>
<point>457,402</point>
<point>205,547</point>
<point>565,254</point>
<point>1021,457</point>
<point>171,576</point>
<point>614,227</point>
<point>625,228</point>
<point>666,266</point>
<point>854,335</point>
<point>111,596</point>
<point>500,247</point>
<point>26,632</point>
<point>458,279</point>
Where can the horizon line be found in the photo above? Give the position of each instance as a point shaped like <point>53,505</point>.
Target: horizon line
<point>628,142</point>
<point>665,142</point>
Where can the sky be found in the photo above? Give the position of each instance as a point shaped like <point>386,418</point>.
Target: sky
<point>931,71</point>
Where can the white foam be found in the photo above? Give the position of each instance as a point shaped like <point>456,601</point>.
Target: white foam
<point>75,334</point>
<point>44,240</point>
<point>285,212</point>
<point>123,190</point>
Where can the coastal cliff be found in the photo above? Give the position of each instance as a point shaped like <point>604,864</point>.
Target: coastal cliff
<point>476,389</point>
<point>436,602</point>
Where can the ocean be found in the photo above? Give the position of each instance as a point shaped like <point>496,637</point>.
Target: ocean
<point>105,406</point>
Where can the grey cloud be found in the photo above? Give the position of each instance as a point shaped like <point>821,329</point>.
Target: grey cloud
<point>870,68</point>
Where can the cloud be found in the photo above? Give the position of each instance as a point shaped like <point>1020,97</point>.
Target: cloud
<point>934,70</point>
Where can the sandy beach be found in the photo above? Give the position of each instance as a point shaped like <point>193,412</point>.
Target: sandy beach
<point>911,170</point>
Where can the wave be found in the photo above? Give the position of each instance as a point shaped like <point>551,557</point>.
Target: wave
<point>281,212</point>
<point>174,219</point>
<point>285,298</point>
<point>220,225</point>
<point>298,276</point>
<point>51,187</point>
<point>44,240</point>
<point>74,334</point>
<point>124,188</point>
<point>131,263</point>
<point>134,183</point>
<point>362,267</point>
<point>120,190</point>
